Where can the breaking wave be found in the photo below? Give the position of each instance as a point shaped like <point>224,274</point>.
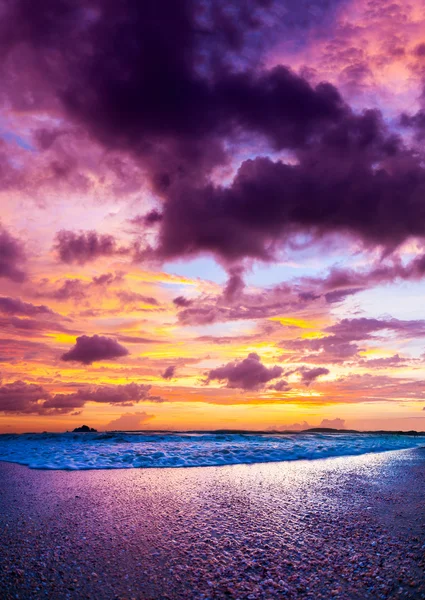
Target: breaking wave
<point>123,450</point>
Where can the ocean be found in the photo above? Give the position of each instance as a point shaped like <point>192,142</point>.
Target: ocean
<point>123,450</point>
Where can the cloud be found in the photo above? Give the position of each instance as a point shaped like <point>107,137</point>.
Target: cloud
<point>342,345</point>
<point>16,306</point>
<point>85,246</point>
<point>21,397</point>
<point>151,218</point>
<point>136,339</point>
<point>108,278</point>
<point>276,300</point>
<point>346,173</point>
<point>280,386</point>
<point>310,375</point>
<point>89,349</point>
<point>70,289</point>
<point>295,426</point>
<point>234,286</point>
<point>12,256</point>
<point>395,361</point>
<point>29,326</point>
<point>304,425</point>
<point>129,421</point>
<point>123,395</point>
<point>27,398</point>
<point>340,282</point>
<point>268,202</point>
<point>362,328</point>
<point>127,297</point>
<point>169,372</point>
<point>247,374</point>
<point>182,302</point>
<point>333,423</point>
<point>355,388</point>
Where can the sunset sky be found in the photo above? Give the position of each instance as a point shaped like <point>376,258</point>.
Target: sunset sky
<point>212,214</point>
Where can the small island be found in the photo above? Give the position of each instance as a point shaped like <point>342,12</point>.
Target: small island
<point>84,429</point>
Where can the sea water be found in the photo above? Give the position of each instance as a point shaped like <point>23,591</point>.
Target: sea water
<point>118,450</point>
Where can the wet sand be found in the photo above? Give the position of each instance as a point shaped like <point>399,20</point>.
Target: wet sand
<point>346,528</point>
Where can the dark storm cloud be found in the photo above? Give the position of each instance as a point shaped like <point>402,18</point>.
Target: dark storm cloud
<point>357,179</point>
<point>416,122</point>
<point>187,83</point>
<point>89,349</point>
<point>12,256</point>
<point>193,78</point>
<point>192,75</point>
<point>247,374</point>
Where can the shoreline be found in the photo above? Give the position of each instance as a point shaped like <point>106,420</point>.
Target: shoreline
<point>349,528</point>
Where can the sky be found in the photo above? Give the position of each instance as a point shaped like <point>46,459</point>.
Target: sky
<point>212,214</point>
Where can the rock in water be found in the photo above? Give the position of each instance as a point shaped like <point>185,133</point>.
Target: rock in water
<point>84,429</point>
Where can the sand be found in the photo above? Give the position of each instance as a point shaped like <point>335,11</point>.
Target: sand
<point>343,528</point>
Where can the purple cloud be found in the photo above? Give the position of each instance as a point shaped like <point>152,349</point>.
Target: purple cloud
<point>85,246</point>
<point>27,398</point>
<point>395,361</point>
<point>310,375</point>
<point>234,286</point>
<point>12,256</point>
<point>182,302</point>
<point>169,372</point>
<point>16,306</point>
<point>108,278</point>
<point>280,386</point>
<point>125,395</point>
<point>247,374</point>
<point>21,397</point>
<point>362,328</point>
<point>151,218</point>
<point>93,349</point>
<point>127,297</point>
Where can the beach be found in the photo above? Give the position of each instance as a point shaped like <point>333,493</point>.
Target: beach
<point>346,527</point>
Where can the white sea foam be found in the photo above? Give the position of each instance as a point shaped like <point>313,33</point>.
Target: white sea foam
<point>74,451</point>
